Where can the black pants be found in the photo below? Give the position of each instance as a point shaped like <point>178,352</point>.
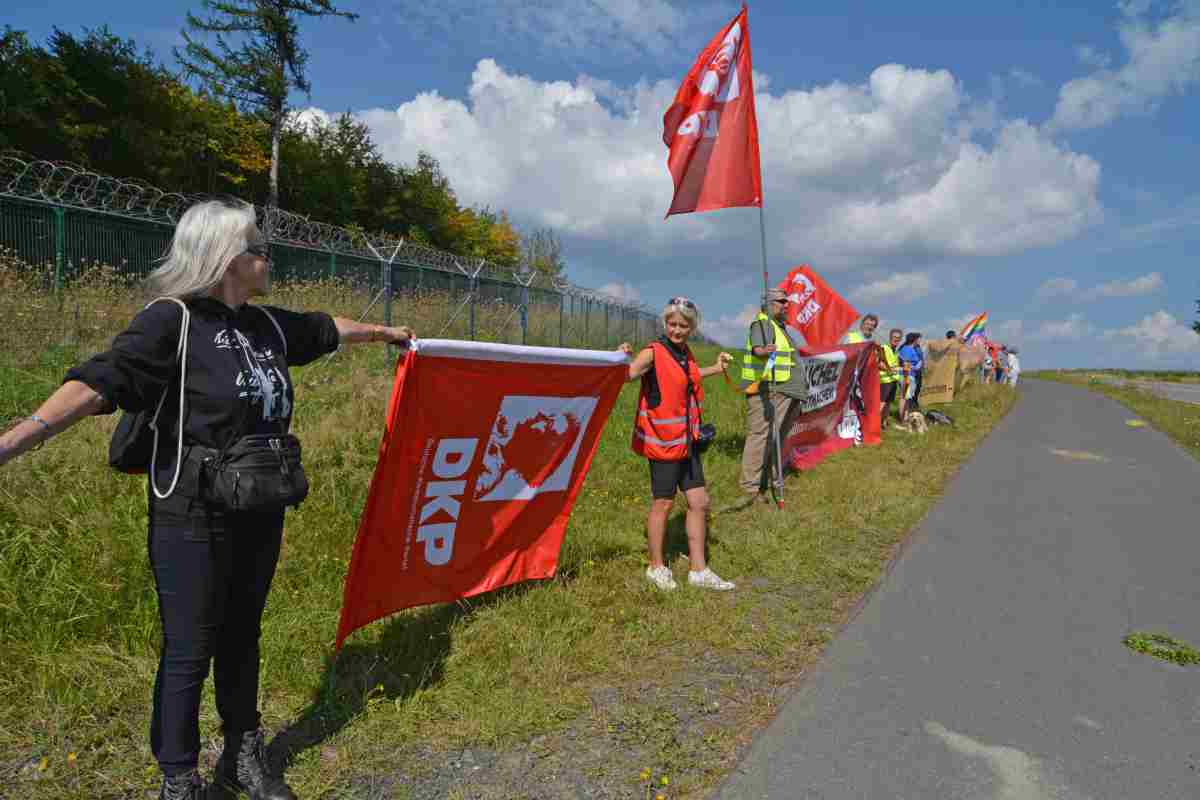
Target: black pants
<point>212,571</point>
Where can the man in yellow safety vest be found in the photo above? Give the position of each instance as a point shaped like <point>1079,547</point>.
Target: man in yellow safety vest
<point>866,329</point>
<point>889,374</point>
<point>767,373</point>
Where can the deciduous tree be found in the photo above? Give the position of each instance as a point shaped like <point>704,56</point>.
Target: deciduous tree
<point>542,251</point>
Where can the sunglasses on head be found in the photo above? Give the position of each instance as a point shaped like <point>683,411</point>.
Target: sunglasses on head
<point>260,250</point>
<point>681,301</point>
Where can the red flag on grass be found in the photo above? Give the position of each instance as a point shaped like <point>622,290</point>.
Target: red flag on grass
<point>711,128</point>
<point>485,450</point>
<point>815,309</point>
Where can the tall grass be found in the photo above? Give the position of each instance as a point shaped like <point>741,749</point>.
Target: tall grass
<point>79,628</point>
<point>43,332</point>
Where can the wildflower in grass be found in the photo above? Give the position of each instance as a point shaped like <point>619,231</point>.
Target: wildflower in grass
<point>646,774</point>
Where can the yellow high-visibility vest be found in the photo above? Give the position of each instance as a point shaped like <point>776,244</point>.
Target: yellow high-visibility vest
<point>855,337</point>
<point>755,368</point>
<point>892,373</point>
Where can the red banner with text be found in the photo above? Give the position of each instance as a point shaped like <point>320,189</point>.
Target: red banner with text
<point>841,408</point>
<point>485,450</point>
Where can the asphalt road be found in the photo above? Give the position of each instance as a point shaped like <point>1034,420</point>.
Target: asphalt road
<point>989,662</point>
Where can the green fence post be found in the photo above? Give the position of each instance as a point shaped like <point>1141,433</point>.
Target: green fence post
<point>60,237</point>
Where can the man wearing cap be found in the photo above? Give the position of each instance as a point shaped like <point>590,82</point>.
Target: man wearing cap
<point>771,388</point>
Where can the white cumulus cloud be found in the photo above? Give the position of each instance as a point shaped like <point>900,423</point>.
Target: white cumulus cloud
<point>903,287</point>
<point>1056,287</point>
<point>1162,58</point>
<point>1073,328</point>
<point>621,291</point>
<point>1010,331</point>
<point>1159,334</point>
<point>1131,288</point>
<point>1070,288</point>
<point>895,168</point>
<point>730,329</point>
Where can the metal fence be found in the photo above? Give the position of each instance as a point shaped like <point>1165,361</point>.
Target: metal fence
<point>61,221</point>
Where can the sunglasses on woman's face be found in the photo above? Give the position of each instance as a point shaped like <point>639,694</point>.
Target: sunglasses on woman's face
<point>681,301</point>
<point>260,250</point>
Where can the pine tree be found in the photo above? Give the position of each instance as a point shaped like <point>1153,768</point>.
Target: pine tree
<point>266,65</point>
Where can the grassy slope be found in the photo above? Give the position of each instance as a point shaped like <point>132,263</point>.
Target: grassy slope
<point>1180,421</point>
<point>79,626</point>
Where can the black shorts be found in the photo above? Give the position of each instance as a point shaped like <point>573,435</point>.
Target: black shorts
<point>668,477</point>
<point>887,392</point>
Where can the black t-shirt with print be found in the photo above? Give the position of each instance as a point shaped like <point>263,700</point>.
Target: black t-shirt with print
<point>237,374</point>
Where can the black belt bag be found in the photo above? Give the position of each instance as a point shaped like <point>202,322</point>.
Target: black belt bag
<point>257,473</point>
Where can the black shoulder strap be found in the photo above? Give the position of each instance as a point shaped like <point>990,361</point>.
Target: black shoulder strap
<point>762,326</point>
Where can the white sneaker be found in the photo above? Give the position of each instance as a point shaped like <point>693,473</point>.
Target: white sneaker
<point>661,577</point>
<point>707,579</point>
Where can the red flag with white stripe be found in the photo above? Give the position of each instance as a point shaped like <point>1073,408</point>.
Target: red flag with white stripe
<point>712,130</point>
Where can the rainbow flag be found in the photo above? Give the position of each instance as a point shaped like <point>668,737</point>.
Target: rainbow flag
<point>974,328</point>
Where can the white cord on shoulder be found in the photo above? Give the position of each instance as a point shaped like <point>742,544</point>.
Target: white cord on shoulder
<point>279,330</point>
<point>181,356</point>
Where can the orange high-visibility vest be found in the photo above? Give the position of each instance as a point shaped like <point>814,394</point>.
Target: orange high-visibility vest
<point>660,432</point>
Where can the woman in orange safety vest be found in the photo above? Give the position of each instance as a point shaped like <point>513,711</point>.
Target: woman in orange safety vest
<point>666,432</point>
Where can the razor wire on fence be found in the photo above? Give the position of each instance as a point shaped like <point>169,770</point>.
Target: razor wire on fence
<point>63,223</point>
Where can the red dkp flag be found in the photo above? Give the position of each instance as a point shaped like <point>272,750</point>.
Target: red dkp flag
<point>485,450</point>
<point>816,310</point>
<point>711,128</point>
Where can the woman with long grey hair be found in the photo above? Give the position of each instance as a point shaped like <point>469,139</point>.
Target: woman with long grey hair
<point>215,369</point>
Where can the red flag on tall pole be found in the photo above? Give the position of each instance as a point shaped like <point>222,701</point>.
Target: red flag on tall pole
<point>815,309</point>
<point>712,130</point>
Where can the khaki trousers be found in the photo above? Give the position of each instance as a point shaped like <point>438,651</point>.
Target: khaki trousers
<point>755,455</point>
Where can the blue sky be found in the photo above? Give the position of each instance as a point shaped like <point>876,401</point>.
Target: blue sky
<point>931,160</point>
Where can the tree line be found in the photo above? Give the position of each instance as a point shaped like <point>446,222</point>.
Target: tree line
<point>98,100</point>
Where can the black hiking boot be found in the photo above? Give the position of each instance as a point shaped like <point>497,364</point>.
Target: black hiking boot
<point>243,767</point>
<point>185,786</point>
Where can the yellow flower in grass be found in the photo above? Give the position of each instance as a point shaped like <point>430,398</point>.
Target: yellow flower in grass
<point>646,774</point>
<point>665,780</point>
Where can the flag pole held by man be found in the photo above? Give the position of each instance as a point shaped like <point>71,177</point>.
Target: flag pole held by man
<point>771,386</point>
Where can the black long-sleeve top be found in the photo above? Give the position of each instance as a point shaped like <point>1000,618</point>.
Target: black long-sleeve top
<point>237,372</point>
